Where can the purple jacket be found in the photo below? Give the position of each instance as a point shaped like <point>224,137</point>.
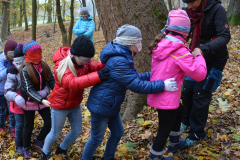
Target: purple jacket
<point>172,59</point>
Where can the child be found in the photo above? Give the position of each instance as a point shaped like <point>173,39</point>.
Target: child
<point>106,98</point>
<point>171,58</point>
<point>5,63</point>
<point>72,65</point>
<point>35,75</point>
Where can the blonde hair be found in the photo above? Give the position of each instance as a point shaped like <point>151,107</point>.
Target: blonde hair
<point>64,64</point>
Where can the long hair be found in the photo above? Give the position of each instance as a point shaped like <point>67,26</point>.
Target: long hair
<point>64,64</point>
<point>31,71</point>
<point>159,37</point>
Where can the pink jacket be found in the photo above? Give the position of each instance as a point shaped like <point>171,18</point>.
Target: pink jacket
<point>172,59</point>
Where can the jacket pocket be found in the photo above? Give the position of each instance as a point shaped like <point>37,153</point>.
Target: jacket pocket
<point>118,101</point>
<point>213,81</point>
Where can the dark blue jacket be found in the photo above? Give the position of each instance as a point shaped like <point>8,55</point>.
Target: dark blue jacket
<point>106,98</point>
<point>215,25</point>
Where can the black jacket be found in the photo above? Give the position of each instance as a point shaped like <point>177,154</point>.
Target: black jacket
<point>215,25</point>
<point>29,89</point>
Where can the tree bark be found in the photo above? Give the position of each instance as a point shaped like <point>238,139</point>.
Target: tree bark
<point>25,15</point>
<point>14,15</point>
<point>64,10</point>
<point>49,10</point>
<point>233,13</point>
<point>94,13</point>
<point>20,16</point>
<point>84,3</point>
<point>66,39</point>
<point>169,5</point>
<point>150,17</point>
<point>34,19</point>
<point>5,20</point>
<point>45,4</point>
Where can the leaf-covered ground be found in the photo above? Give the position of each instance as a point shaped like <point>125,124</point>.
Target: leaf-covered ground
<point>223,129</point>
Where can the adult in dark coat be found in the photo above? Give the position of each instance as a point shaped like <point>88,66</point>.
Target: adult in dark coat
<point>210,34</point>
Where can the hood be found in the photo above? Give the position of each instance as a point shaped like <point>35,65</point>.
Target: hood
<point>60,54</point>
<point>167,46</point>
<point>211,3</point>
<point>89,17</point>
<point>115,50</point>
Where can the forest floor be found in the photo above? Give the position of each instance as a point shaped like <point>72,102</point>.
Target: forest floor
<point>223,126</point>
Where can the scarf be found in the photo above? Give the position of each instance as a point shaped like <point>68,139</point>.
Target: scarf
<point>196,18</point>
<point>18,62</point>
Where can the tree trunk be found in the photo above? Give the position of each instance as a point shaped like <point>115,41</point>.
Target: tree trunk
<point>65,38</point>
<point>169,5</point>
<point>20,18</point>
<point>84,3</point>
<point>14,15</point>
<point>234,13</point>
<point>49,10</point>
<point>64,10</point>
<point>94,13</point>
<point>150,17</point>
<point>34,19</point>
<point>25,15</point>
<point>45,11</point>
<point>5,20</point>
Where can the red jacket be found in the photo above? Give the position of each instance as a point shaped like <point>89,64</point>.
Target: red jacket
<point>69,93</point>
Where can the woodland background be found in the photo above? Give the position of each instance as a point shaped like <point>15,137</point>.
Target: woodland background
<point>50,23</point>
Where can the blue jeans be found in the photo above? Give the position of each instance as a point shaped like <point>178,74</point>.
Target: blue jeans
<point>58,118</point>
<point>98,128</point>
<point>19,129</point>
<point>4,105</point>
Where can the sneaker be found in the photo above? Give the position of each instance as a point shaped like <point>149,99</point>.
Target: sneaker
<point>12,132</point>
<point>190,143</point>
<point>44,156</point>
<point>183,127</point>
<point>162,158</point>
<point>26,152</point>
<point>19,150</point>
<point>174,149</point>
<point>39,144</point>
<point>61,151</point>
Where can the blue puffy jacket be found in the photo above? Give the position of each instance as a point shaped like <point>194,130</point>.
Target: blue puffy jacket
<point>105,98</point>
<point>82,25</point>
<point>4,64</point>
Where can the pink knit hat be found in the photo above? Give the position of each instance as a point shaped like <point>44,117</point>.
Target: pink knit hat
<point>178,21</point>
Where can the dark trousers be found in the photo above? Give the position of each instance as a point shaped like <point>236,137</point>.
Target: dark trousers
<point>169,120</point>
<point>29,124</point>
<point>196,102</point>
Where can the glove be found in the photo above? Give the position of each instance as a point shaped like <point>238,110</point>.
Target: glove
<point>12,70</point>
<point>20,101</point>
<point>42,93</point>
<point>104,74</point>
<point>170,85</point>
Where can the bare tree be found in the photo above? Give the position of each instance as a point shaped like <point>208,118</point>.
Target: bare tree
<point>114,14</point>
<point>94,13</point>
<point>34,19</point>
<point>169,5</point>
<point>66,38</point>
<point>5,20</point>
<point>20,16</point>
<point>49,10</point>
<point>25,15</point>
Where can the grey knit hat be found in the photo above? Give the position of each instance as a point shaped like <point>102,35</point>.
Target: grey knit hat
<point>84,10</point>
<point>129,30</point>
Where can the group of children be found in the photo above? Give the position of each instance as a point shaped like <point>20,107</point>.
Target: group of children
<point>26,81</point>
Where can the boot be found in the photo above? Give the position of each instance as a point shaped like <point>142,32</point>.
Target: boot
<point>26,152</point>
<point>175,142</point>
<point>61,151</point>
<point>108,159</point>
<point>19,150</point>
<point>44,156</point>
<point>161,157</point>
<point>39,144</point>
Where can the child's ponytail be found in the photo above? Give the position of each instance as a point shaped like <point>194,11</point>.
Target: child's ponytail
<point>64,64</point>
<point>154,44</point>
